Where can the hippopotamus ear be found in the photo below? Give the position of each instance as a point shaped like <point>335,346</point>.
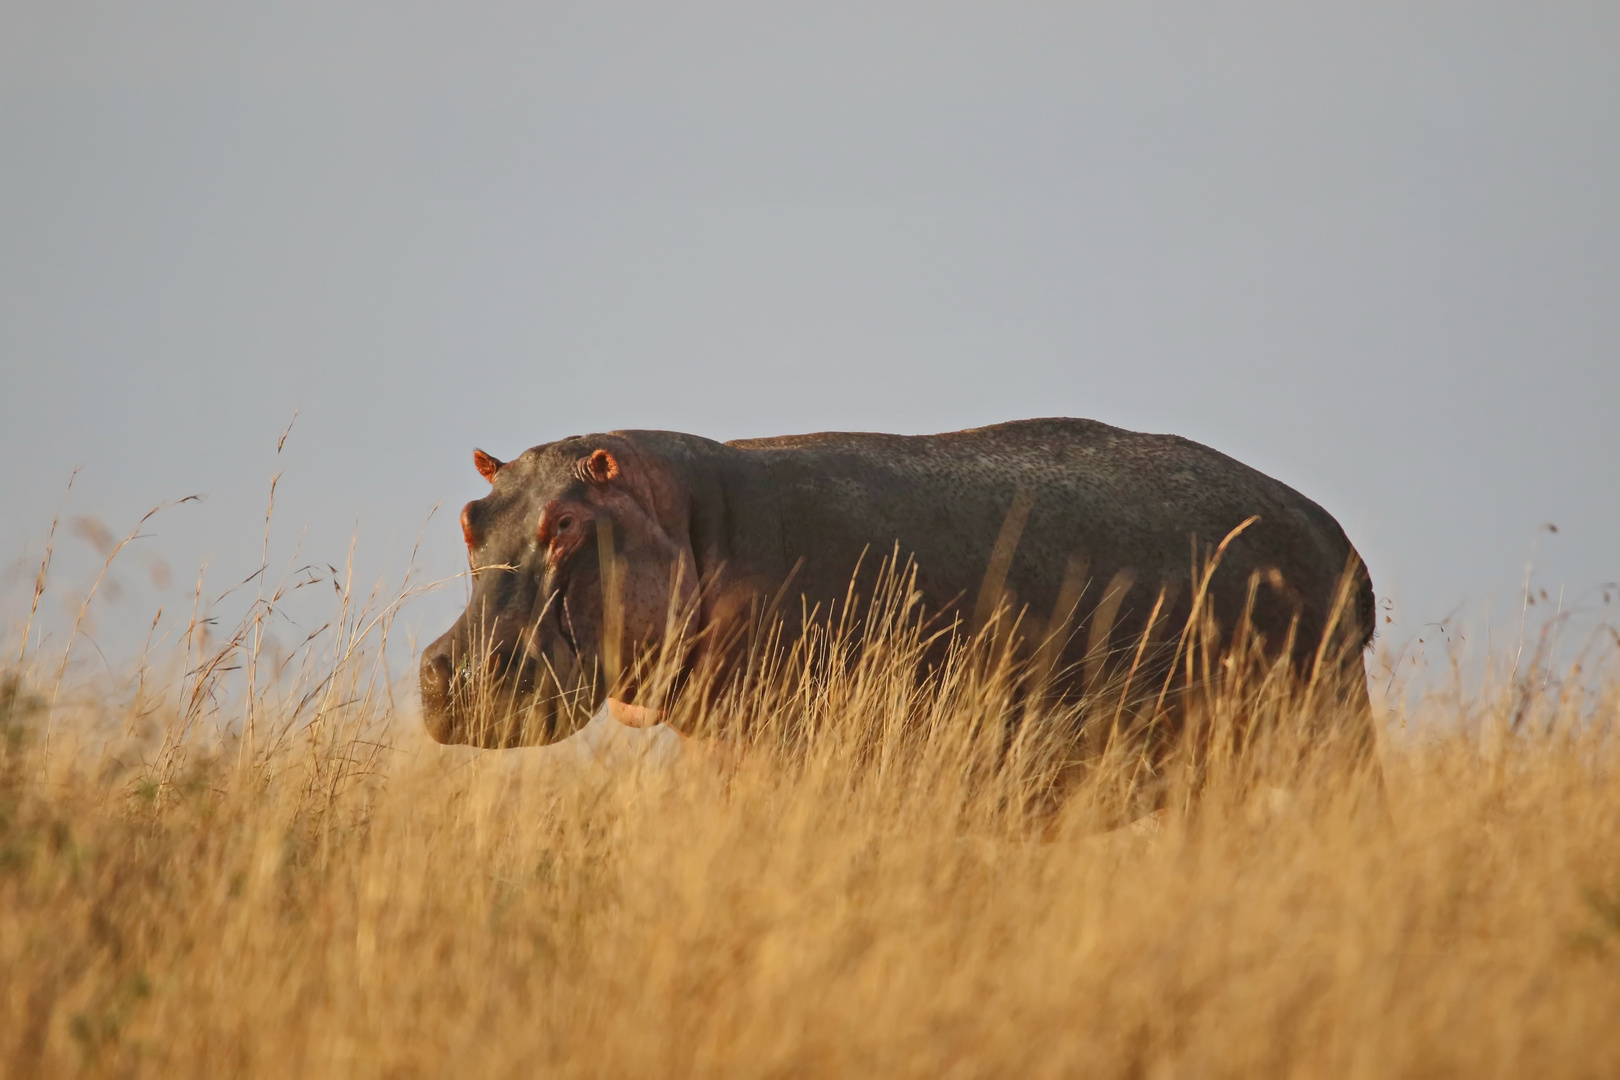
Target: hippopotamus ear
<point>599,467</point>
<point>487,465</point>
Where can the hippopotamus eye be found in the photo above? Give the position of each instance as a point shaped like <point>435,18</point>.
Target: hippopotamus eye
<point>560,528</point>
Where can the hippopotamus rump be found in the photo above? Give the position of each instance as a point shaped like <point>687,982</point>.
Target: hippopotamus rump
<point>699,535</point>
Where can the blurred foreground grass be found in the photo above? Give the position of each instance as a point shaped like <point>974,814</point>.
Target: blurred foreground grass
<point>335,896</point>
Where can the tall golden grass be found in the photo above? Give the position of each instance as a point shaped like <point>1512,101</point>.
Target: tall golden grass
<point>203,874</point>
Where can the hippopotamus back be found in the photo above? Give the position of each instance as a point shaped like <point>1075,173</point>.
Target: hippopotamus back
<point>1115,500</point>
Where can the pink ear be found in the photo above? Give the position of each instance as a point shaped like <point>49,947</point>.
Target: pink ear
<point>487,465</point>
<point>600,466</point>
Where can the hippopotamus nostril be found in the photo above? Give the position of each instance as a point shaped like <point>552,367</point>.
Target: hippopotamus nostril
<point>437,672</point>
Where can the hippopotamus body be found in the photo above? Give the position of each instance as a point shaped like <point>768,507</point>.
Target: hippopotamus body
<point>1077,523</point>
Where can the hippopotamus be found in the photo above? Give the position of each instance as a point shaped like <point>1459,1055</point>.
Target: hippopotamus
<point>595,549</point>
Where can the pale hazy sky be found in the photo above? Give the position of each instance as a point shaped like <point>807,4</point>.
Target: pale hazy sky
<point>1370,248</point>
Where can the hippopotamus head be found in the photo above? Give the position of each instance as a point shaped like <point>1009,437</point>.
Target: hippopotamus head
<point>582,568</point>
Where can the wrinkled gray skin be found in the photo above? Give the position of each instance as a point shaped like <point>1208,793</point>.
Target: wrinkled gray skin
<point>787,519</point>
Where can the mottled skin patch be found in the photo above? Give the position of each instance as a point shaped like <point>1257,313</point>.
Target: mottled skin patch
<point>787,520</point>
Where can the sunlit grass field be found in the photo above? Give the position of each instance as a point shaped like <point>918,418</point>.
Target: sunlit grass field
<point>207,874</point>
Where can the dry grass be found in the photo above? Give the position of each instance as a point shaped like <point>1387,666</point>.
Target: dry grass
<point>864,886</point>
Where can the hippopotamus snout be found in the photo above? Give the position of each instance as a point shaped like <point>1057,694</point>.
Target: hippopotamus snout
<point>492,693</point>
